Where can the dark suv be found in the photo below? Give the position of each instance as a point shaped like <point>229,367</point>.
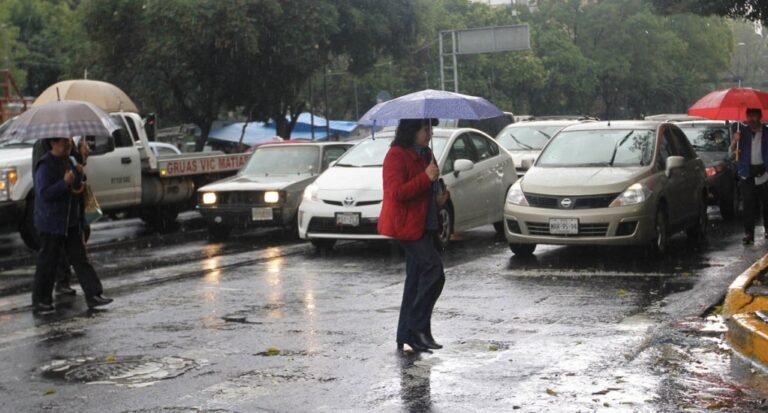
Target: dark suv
<point>711,140</point>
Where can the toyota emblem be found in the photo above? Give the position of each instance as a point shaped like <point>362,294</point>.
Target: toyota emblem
<point>566,203</point>
<point>349,201</point>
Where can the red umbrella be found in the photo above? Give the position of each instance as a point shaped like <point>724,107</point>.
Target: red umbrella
<point>730,104</point>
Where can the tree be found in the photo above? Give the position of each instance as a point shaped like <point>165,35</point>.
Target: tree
<point>756,10</point>
<point>10,47</point>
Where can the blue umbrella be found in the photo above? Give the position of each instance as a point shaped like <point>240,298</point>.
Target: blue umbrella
<point>428,104</point>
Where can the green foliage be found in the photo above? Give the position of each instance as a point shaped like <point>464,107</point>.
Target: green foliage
<point>756,10</point>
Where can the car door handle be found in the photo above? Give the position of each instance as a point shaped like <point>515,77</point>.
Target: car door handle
<point>125,161</point>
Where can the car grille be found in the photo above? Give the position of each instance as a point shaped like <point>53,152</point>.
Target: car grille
<point>240,197</point>
<point>359,204</point>
<point>578,202</point>
<point>585,230</point>
<point>328,226</point>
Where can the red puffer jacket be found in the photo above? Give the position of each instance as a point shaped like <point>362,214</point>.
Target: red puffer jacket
<point>406,195</point>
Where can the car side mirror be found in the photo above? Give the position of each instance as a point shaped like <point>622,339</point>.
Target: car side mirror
<point>462,165</point>
<point>674,162</point>
<point>526,163</point>
<point>101,145</point>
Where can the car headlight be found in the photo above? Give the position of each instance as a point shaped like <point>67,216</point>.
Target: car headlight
<point>271,197</point>
<point>209,198</point>
<point>8,178</point>
<point>635,194</point>
<point>310,193</point>
<point>515,196</point>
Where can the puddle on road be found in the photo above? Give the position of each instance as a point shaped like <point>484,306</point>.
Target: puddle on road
<point>131,371</point>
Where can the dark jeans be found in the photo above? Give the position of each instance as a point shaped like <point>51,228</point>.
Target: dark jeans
<point>424,282</point>
<point>49,261</point>
<point>754,197</point>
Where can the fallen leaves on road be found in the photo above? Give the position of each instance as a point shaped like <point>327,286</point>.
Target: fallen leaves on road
<point>49,392</point>
<point>551,392</point>
<point>605,391</point>
<point>622,292</point>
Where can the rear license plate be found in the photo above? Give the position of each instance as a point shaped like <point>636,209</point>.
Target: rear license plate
<point>262,214</point>
<point>564,226</point>
<point>348,219</point>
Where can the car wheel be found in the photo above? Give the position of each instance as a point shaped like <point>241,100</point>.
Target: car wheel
<point>218,233</point>
<point>446,228</point>
<point>727,208</point>
<point>661,240</point>
<point>698,231</point>
<point>323,243</point>
<point>499,227</point>
<point>522,250</point>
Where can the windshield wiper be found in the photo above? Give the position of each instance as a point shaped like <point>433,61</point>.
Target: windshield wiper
<point>522,145</point>
<point>618,144</point>
<point>544,133</point>
<point>346,165</point>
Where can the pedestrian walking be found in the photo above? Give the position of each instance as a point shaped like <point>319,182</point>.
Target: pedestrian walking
<point>752,158</point>
<point>63,270</point>
<point>409,213</point>
<point>58,218</point>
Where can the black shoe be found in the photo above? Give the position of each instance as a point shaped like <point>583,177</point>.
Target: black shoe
<point>749,239</point>
<point>43,309</point>
<point>411,344</point>
<point>434,344</point>
<point>97,301</point>
<point>423,340</point>
<point>65,289</point>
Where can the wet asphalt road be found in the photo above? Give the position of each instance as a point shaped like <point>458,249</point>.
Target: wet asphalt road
<point>264,323</point>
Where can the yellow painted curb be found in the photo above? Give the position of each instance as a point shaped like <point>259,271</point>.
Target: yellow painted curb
<point>737,300</point>
<point>748,335</point>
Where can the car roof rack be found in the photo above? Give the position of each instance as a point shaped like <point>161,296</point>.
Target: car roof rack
<point>561,117</point>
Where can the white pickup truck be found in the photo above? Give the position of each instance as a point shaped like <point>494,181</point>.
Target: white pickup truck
<point>124,175</point>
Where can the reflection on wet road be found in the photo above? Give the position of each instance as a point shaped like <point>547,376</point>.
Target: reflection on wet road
<point>278,327</point>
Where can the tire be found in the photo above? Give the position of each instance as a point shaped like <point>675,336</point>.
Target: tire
<point>443,239</point>
<point>499,227</point>
<point>728,208</point>
<point>218,233</point>
<point>661,241</point>
<point>522,250</point>
<point>27,228</point>
<point>323,243</point>
<point>698,232</point>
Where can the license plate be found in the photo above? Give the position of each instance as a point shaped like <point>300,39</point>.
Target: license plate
<point>262,214</point>
<point>348,219</point>
<point>564,226</point>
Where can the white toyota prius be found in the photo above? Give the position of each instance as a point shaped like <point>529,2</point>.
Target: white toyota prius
<point>345,201</point>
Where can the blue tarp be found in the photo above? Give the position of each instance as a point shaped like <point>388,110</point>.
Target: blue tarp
<point>258,132</point>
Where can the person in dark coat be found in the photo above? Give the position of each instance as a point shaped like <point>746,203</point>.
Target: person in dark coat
<point>409,213</point>
<point>63,270</point>
<point>58,217</point>
<point>750,143</point>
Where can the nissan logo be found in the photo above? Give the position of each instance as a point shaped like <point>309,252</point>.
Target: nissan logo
<point>566,203</point>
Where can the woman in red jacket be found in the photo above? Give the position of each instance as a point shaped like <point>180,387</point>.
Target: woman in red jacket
<point>409,213</point>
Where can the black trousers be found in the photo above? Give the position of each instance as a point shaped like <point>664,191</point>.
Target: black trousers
<point>49,261</point>
<point>424,281</point>
<point>755,197</point>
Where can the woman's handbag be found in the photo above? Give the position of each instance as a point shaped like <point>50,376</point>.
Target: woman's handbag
<point>92,209</point>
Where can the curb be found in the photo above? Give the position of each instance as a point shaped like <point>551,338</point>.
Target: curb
<point>746,315</point>
<point>738,300</point>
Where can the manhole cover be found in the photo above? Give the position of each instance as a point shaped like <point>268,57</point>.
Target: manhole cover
<point>123,370</point>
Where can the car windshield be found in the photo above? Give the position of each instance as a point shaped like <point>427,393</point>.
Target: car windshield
<point>371,152</point>
<point>707,138</point>
<point>283,160</point>
<point>526,138</point>
<point>601,147</point>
